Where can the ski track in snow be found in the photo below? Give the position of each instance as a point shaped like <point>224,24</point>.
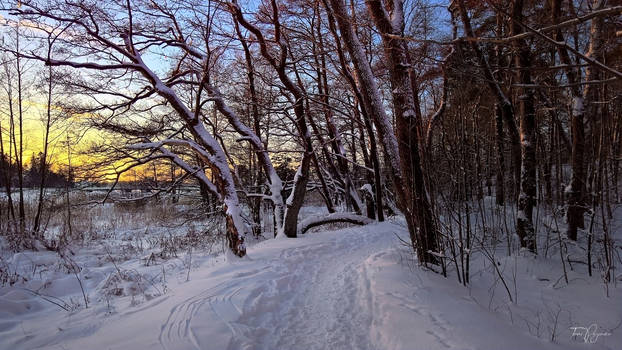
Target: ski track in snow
<point>315,296</point>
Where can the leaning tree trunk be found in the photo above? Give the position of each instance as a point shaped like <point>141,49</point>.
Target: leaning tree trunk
<point>332,169</point>
<point>215,158</point>
<point>353,200</point>
<point>364,115</point>
<point>414,202</point>
<point>404,159</point>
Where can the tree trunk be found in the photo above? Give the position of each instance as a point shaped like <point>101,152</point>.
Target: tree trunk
<point>332,169</point>
<point>414,202</point>
<point>581,104</point>
<point>500,186</point>
<point>279,65</point>
<point>20,155</point>
<point>296,198</point>
<point>364,114</point>
<point>527,196</point>
<point>404,159</point>
<point>45,153</point>
<point>235,241</point>
<point>6,161</point>
<point>502,98</point>
<point>352,199</point>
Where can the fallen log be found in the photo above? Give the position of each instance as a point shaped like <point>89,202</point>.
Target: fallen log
<point>319,220</point>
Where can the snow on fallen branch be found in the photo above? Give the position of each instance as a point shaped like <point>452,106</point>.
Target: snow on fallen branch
<point>318,220</point>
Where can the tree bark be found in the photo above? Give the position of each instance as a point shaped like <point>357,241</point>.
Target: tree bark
<point>527,197</point>
<point>581,103</point>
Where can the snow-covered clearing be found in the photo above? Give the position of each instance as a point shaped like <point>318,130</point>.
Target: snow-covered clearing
<point>353,288</point>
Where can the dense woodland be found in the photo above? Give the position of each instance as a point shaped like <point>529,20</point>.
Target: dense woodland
<point>424,109</point>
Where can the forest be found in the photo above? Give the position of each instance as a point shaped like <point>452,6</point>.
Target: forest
<point>480,140</point>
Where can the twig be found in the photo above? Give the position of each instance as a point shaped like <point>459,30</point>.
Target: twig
<point>48,299</point>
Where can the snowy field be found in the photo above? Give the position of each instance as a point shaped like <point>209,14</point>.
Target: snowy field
<point>339,288</point>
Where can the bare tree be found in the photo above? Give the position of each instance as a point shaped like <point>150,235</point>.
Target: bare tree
<point>527,195</point>
<point>402,149</point>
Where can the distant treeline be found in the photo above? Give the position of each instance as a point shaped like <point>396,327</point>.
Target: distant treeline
<point>32,174</point>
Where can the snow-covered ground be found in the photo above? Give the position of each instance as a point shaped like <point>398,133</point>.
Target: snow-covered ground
<point>352,288</point>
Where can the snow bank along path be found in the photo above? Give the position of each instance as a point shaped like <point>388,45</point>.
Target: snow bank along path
<point>329,290</point>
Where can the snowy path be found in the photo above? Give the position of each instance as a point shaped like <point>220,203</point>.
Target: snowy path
<point>310,297</point>
<point>346,289</point>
